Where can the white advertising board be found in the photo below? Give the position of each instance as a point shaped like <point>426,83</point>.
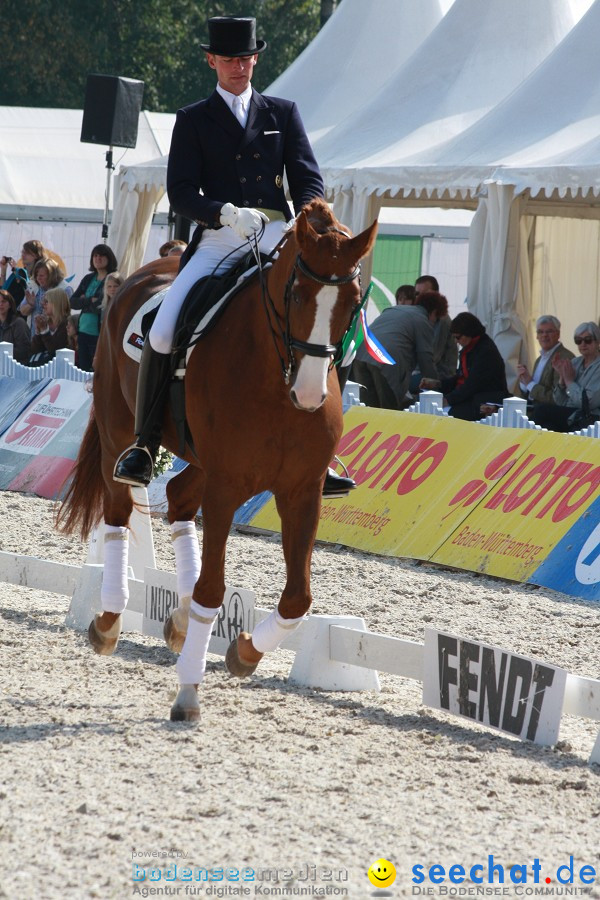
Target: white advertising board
<point>511,693</point>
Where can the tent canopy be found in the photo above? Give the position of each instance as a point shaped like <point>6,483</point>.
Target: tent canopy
<point>543,137</point>
<point>335,75</point>
<point>477,54</point>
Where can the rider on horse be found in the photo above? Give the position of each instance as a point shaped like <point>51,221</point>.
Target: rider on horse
<point>235,146</point>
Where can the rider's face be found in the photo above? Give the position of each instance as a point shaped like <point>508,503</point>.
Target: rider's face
<point>234,72</point>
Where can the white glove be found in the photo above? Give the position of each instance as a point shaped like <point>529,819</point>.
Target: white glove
<point>243,222</point>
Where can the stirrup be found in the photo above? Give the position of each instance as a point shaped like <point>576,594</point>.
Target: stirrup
<point>124,480</point>
<point>341,485</point>
<point>343,465</point>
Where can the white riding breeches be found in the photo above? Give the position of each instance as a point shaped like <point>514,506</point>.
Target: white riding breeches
<point>215,244</point>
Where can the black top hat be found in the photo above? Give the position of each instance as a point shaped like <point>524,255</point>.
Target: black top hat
<point>233,36</point>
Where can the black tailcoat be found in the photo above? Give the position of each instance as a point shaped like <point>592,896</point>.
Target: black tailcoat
<point>212,153</point>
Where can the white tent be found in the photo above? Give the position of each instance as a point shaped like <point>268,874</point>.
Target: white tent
<point>361,46</point>
<point>538,153</point>
<point>52,186</point>
<point>45,170</point>
<point>477,54</point>
<point>422,154</point>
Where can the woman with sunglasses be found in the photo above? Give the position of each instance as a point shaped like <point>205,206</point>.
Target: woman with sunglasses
<point>576,376</point>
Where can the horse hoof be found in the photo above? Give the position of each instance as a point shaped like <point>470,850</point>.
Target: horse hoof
<point>186,707</point>
<point>175,631</point>
<point>235,665</point>
<point>104,642</point>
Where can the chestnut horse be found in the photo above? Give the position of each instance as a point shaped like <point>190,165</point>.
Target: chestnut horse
<point>264,410</point>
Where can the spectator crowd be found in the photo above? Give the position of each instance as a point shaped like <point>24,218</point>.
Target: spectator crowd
<point>41,313</point>
<point>431,351</point>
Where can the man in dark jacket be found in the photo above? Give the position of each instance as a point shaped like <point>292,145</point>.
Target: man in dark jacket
<point>229,154</point>
<point>406,333</point>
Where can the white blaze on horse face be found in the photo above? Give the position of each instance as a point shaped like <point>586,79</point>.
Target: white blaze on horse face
<point>310,386</point>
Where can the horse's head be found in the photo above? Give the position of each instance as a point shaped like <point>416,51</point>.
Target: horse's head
<point>323,294</point>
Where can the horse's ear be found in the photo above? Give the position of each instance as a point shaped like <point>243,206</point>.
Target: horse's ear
<point>363,243</point>
<point>304,230</point>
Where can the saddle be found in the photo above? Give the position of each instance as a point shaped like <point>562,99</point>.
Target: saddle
<point>201,310</point>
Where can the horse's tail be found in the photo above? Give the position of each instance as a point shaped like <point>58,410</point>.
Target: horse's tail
<point>83,504</point>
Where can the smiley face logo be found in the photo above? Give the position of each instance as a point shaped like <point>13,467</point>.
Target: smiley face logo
<point>382,873</point>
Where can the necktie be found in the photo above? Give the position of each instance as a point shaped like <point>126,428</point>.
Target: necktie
<point>238,111</point>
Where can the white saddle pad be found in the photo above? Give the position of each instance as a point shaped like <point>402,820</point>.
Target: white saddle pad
<point>133,340</point>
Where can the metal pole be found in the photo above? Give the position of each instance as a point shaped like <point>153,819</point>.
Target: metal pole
<point>109,170</point>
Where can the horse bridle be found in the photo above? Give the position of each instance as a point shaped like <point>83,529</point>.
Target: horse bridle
<point>320,351</point>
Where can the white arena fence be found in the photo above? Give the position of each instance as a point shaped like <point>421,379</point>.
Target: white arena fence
<point>331,652</point>
<point>62,366</point>
<point>512,415</point>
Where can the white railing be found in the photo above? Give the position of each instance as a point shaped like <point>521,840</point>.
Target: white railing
<point>513,414</point>
<point>351,395</point>
<point>332,653</point>
<point>62,366</point>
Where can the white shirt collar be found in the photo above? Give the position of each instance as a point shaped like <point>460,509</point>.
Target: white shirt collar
<point>229,98</point>
<point>546,354</point>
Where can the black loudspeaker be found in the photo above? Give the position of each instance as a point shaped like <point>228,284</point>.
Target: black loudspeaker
<point>111,110</point>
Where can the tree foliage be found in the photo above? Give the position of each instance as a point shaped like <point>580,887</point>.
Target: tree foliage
<point>49,48</point>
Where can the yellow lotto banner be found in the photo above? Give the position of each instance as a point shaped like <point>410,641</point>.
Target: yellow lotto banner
<point>410,471</point>
<point>495,500</point>
<point>546,491</point>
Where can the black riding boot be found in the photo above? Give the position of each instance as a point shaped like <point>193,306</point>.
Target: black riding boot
<point>336,485</point>
<point>137,465</point>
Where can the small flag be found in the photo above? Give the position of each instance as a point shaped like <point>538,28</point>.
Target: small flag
<point>375,349</point>
<point>352,345</point>
<point>354,336</point>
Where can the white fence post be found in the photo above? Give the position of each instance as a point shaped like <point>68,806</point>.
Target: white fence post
<point>314,665</point>
<point>351,395</point>
<point>64,359</point>
<point>513,408</point>
<point>6,358</point>
<point>431,402</point>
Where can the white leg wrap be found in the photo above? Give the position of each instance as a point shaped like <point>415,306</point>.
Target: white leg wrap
<point>187,558</point>
<point>115,592</point>
<point>192,661</point>
<point>269,633</point>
